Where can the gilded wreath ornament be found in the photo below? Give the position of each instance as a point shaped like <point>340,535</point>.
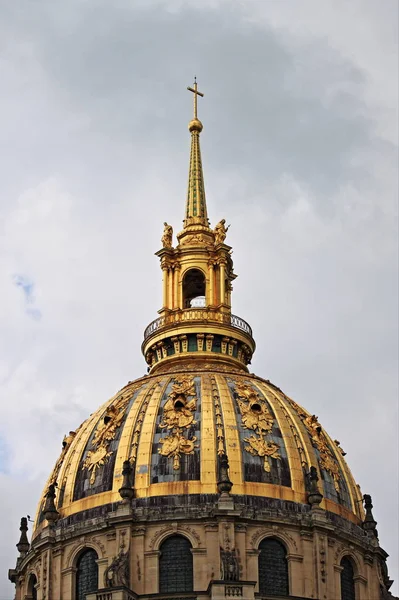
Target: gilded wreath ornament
<point>255,415</point>
<point>99,453</point>
<point>178,416</point>
<point>328,461</point>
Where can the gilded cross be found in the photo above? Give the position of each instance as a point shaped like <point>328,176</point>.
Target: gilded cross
<point>196,94</point>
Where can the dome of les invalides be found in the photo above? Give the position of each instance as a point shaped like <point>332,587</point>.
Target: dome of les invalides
<point>200,480</point>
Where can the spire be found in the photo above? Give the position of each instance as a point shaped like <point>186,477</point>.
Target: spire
<point>196,211</point>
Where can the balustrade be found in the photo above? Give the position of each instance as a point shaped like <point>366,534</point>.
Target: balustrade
<point>197,314</point>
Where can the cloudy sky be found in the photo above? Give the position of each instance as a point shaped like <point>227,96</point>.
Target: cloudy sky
<point>300,156</point>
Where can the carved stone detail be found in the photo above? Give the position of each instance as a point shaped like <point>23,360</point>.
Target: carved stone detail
<point>230,570</point>
<point>269,532</point>
<point>117,574</point>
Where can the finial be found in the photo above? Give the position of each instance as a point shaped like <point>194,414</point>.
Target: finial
<point>23,544</point>
<point>126,491</point>
<point>195,124</point>
<point>224,483</point>
<point>369,524</point>
<point>50,512</point>
<point>314,497</point>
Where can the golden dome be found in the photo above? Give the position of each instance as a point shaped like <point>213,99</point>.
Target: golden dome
<point>173,426</point>
<point>200,455</point>
<point>199,403</point>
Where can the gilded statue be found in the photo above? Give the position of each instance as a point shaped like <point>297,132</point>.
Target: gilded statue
<point>220,232</point>
<point>167,236</point>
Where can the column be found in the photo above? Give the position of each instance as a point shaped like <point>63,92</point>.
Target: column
<point>176,286</point>
<point>170,286</point>
<point>211,299</point>
<point>164,286</point>
<point>222,283</point>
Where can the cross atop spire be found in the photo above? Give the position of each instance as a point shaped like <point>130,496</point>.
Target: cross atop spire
<point>196,94</point>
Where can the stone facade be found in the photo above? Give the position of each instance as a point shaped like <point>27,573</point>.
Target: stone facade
<point>315,542</point>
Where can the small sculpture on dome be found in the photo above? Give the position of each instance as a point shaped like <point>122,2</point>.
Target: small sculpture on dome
<point>224,483</point>
<point>50,512</point>
<point>220,232</point>
<point>167,236</point>
<point>338,444</point>
<point>126,491</point>
<point>314,497</point>
<point>23,544</point>
<point>369,524</point>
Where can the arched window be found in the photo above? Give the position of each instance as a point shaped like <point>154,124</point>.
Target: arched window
<point>347,580</point>
<point>86,574</point>
<point>32,591</point>
<point>176,565</point>
<point>194,289</point>
<point>273,568</point>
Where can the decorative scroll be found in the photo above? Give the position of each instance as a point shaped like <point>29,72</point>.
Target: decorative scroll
<point>255,415</point>
<point>319,440</point>
<point>178,415</point>
<point>105,433</point>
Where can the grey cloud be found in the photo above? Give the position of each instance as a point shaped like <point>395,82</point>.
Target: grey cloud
<point>287,109</point>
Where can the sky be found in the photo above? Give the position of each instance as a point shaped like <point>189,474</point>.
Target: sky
<point>300,155</point>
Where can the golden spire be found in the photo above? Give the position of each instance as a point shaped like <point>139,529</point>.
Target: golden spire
<point>196,211</point>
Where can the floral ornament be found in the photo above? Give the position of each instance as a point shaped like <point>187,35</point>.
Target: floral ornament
<point>328,461</point>
<point>255,415</point>
<point>99,453</point>
<point>94,460</point>
<point>257,446</point>
<point>174,445</point>
<point>178,415</point>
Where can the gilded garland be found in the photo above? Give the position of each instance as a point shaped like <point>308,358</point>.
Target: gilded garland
<point>319,440</point>
<point>255,415</point>
<point>105,433</point>
<point>178,415</point>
